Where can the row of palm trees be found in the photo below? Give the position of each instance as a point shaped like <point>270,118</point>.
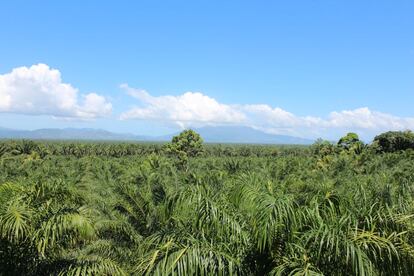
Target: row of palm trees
<point>123,149</point>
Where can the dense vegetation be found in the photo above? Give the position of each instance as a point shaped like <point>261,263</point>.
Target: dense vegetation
<point>188,209</point>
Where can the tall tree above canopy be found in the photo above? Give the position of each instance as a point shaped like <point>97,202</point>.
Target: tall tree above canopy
<point>188,143</point>
<point>349,140</point>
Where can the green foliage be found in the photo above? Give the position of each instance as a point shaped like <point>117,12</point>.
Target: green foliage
<point>393,141</point>
<point>351,143</point>
<point>323,148</point>
<point>188,143</point>
<point>348,140</point>
<point>128,209</point>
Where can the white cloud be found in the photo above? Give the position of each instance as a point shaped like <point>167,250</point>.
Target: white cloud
<point>39,90</point>
<point>189,109</point>
<point>193,109</point>
<point>363,118</point>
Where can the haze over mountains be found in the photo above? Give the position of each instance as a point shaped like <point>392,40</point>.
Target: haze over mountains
<point>219,134</point>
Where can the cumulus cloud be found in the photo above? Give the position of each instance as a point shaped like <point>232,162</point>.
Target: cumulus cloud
<point>189,109</point>
<point>39,90</point>
<point>194,109</point>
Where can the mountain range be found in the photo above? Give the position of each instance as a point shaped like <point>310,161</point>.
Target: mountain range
<point>216,134</point>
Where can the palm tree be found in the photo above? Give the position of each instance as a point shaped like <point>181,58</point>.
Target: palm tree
<point>44,228</point>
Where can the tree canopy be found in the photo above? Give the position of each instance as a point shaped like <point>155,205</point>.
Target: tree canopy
<point>70,208</point>
<point>393,141</point>
<point>188,143</point>
<point>348,140</point>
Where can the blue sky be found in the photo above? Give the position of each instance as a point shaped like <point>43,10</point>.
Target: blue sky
<point>306,68</point>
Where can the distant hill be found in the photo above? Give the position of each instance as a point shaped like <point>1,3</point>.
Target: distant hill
<point>236,134</point>
<point>68,134</point>
<point>222,134</point>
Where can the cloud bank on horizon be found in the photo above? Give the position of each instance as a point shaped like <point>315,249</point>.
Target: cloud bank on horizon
<point>194,109</point>
<point>39,90</point>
